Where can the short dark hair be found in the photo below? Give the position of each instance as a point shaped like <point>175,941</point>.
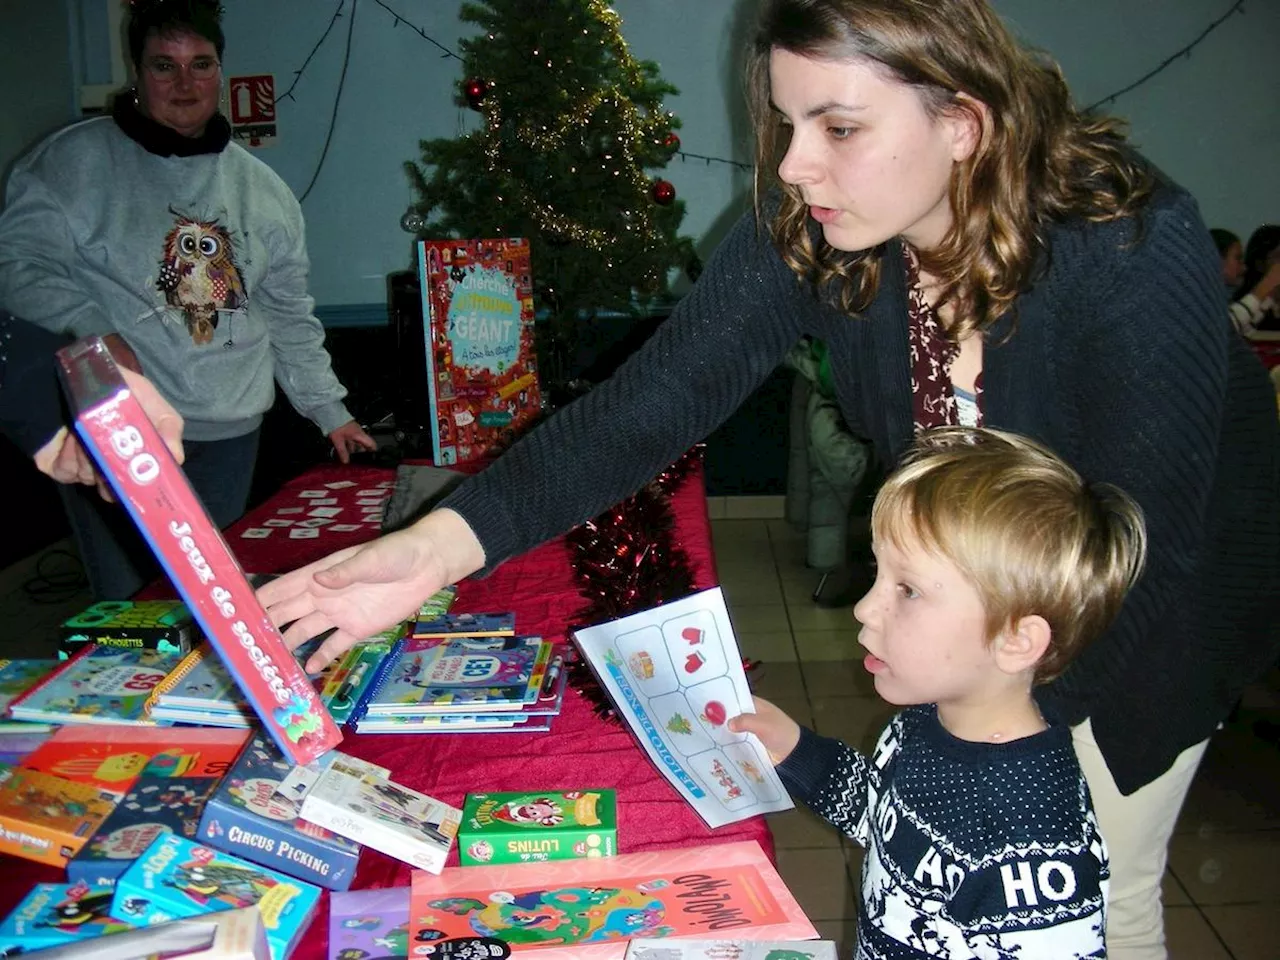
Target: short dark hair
<point>147,17</point>
<point>1223,239</point>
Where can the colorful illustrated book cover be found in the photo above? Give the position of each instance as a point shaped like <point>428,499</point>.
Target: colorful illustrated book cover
<point>16,678</point>
<point>464,675</point>
<point>199,563</point>
<point>589,908</point>
<point>53,914</point>
<point>482,377</point>
<point>255,813</point>
<point>153,806</point>
<point>530,827</point>
<point>389,817</point>
<point>113,757</point>
<point>16,746</point>
<point>164,625</point>
<point>466,625</point>
<point>675,675</point>
<point>48,819</point>
<point>369,924</point>
<point>97,685</point>
<point>731,950</point>
<point>176,878</point>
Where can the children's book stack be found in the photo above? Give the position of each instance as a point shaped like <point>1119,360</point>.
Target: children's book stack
<point>100,684</point>
<point>353,801</point>
<point>464,673</point>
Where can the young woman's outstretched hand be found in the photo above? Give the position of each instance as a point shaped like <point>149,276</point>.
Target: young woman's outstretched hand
<point>362,590</point>
<point>777,731</point>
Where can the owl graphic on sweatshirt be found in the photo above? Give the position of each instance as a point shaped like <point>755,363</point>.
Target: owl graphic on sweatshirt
<point>198,275</point>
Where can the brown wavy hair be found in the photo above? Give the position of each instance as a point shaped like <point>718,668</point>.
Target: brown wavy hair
<point>1038,159</point>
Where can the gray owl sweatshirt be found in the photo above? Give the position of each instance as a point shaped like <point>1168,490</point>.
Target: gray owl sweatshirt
<point>198,262</point>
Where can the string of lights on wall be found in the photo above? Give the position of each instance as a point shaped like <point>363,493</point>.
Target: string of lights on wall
<point>1237,7</point>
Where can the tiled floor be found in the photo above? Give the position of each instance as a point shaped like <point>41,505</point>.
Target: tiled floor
<point>1222,891</point>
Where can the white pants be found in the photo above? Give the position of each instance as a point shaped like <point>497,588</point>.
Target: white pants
<point>1136,829</point>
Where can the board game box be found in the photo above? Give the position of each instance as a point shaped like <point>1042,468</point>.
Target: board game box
<point>153,806</point>
<point>478,326</point>
<point>227,935</point>
<point>177,878</point>
<point>113,757</point>
<point>368,924</point>
<point>163,625</point>
<point>255,813</point>
<point>588,909</point>
<point>147,480</point>
<point>525,827</point>
<point>386,816</point>
<point>53,914</point>
<point>46,818</point>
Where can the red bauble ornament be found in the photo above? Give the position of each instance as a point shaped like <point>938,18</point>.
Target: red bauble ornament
<point>671,142</point>
<point>664,191</point>
<point>475,90</point>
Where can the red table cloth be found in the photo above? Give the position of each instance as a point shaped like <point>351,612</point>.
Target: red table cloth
<point>581,750</point>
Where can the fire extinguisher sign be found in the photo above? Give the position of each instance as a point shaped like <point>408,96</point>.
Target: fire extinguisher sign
<point>253,109</point>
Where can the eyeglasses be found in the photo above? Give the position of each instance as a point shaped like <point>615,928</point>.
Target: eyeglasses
<point>164,70</point>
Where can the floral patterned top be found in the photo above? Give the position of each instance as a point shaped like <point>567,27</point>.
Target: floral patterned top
<point>933,398</point>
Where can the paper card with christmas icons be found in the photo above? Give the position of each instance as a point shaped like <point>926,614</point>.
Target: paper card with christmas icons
<point>153,806</point>
<point>176,878</point>
<point>53,914</point>
<point>46,818</point>
<point>113,757</point>
<point>675,676</point>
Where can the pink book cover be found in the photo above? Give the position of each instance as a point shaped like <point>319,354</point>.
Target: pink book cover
<point>588,909</point>
<point>153,488</point>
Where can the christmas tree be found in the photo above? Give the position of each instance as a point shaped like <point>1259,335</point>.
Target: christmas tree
<point>573,133</point>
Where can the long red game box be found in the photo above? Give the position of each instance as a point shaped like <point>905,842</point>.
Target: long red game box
<point>151,485</point>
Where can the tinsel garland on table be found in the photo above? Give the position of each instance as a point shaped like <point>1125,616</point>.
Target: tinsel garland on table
<point>626,560</point>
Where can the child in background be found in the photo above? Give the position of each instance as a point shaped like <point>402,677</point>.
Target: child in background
<point>997,564</point>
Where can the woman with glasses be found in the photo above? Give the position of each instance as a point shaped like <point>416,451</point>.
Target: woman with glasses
<point>187,254</point>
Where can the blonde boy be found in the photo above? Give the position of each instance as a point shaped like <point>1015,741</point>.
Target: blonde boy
<point>996,564</point>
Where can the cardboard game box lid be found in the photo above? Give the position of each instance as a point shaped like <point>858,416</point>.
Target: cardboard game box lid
<point>151,485</point>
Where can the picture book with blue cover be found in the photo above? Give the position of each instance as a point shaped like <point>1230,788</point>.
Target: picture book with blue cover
<point>97,685</point>
<point>153,806</point>
<point>462,675</point>
<point>176,878</point>
<point>255,813</point>
<point>54,914</point>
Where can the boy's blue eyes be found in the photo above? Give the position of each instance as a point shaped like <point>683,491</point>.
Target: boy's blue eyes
<point>908,591</point>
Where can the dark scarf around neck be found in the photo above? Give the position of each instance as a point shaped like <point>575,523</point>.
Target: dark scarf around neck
<point>165,141</point>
